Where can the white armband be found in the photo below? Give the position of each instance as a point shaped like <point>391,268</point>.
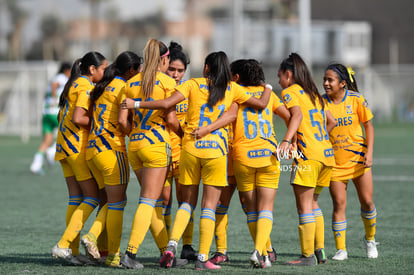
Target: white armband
<point>269,86</point>
<point>137,103</point>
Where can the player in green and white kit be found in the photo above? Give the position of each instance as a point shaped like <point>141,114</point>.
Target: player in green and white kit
<point>49,120</point>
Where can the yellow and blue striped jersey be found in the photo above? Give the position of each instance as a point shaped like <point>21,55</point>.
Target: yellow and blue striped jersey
<point>347,138</point>
<point>105,133</point>
<point>254,137</point>
<point>199,114</point>
<point>72,139</point>
<point>181,112</point>
<point>149,126</point>
<point>313,138</point>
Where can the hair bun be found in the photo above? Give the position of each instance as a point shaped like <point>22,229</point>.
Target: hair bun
<point>175,46</point>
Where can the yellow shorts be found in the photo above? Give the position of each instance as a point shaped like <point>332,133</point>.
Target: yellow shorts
<point>154,156</point>
<point>344,175</point>
<point>173,170</point>
<point>311,173</point>
<point>248,178</point>
<point>110,168</point>
<point>76,165</point>
<point>210,171</point>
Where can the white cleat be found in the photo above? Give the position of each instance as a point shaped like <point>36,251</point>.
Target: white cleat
<point>340,255</point>
<point>371,247</point>
<point>65,254</point>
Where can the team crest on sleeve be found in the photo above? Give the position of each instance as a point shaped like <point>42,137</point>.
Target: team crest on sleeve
<point>365,103</point>
<point>349,109</point>
<point>88,93</point>
<point>286,98</point>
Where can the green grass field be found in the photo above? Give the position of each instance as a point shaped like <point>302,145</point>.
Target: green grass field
<point>33,210</point>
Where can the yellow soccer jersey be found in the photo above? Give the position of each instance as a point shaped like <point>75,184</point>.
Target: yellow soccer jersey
<point>149,126</point>
<point>254,138</point>
<point>199,114</point>
<point>347,137</point>
<point>105,131</point>
<point>181,111</point>
<point>313,139</point>
<point>72,139</point>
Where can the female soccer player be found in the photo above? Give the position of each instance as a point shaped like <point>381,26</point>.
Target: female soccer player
<point>149,149</point>
<point>255,166</point>
<point>203,159</point>
<point>313,161</point>
<point>49,120</point>
<point>106,154</point>
<point>176,69</point>
<point>71,145</point>
<point>353,155</point>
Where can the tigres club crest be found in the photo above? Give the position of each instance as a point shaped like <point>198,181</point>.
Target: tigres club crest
<point>348,109</point>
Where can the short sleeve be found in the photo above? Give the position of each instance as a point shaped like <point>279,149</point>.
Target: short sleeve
<point>84,97</point>
<point>363,110</point>
<point>239,94</point>
<point>289,98</point>
<point>185,88</point>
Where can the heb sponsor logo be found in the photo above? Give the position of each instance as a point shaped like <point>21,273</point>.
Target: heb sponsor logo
<point>259,153</point>
<point>138,136</point>
<point>329,152</point>
<point>206,144</point>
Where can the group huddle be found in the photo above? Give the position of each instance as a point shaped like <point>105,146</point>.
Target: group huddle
<point>216,130</point>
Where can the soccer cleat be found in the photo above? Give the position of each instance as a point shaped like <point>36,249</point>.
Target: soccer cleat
<point>167,258</point>
<point>219,258</point>
<point>113,260</point>
<point>320,256</point>
<point>256,260</point>
<point>272,255</point>
<point>199,265</point>
<point>303,261</point>
<point>129,263</point>
<point>267,262</point>
<point>85,260</point>
<point>188,253</point>
<point>88,241</point>
<point>371,248</point>
<point>65,254</point>
<point>340,255</point>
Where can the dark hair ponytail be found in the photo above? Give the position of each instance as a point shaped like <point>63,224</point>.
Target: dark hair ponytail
<point>123,63</point>
<point>343,74</point>
<point>176,53</point>
<point>249,70</point>
<point>301,76</point>
<point>80,67</point>
<point>218,76</point>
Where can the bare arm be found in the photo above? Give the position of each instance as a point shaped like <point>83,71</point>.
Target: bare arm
<point>54,87</point>
<point>81,117</point>
<point>228,117</point>
<point>295,120</point>
<point>330,121</point>
<point>124,121</point>
<point>163,104</point>
<point>369,133</point>
<point>260,103</point>
<point>284,113</point>
<point>173,123</point>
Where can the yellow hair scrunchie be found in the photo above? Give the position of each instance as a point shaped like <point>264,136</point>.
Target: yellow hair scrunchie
<point>351,73</point>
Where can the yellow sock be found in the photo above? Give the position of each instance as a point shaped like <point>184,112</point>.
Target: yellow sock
<point>182,217</point>
<point>140,224</point>
<point>74,202</point>
<point>102,242</point>
<point>269,245</point>
<point>252,224</point>
<point>221,228</point>
<point>307,234</point>
<point>98,225</point>
<point>157,228</point>
<point>166,212</point>
<point>79,216</point>
<point>114,222</point>
<point>369,219</point>
<point>339,232</point>
<point>263,230</point>
<point>189,231</point>
<point>319,229</point>
<point>207,224</point>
